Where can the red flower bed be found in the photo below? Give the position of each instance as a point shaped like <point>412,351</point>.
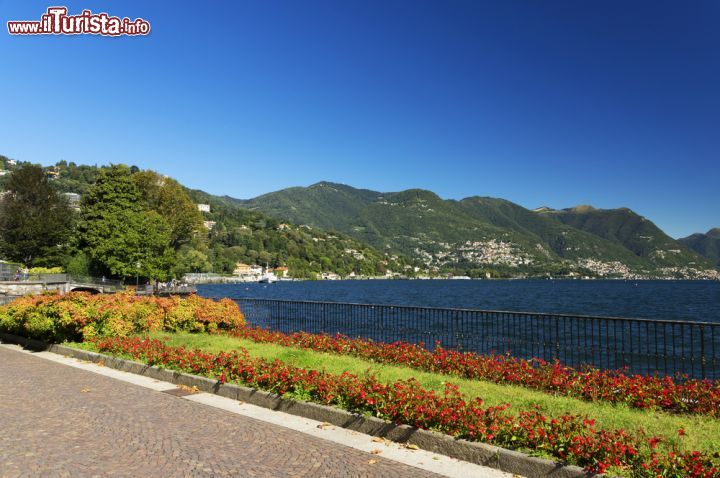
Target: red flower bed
<point>690,396</point>
<point>572,439</point>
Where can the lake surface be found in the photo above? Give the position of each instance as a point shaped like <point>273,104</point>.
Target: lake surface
<point>666,300</point>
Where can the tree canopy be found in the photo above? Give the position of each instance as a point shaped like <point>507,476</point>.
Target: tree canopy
<point>169,199</point>
<point>36,222</point>
<point>120,234</point>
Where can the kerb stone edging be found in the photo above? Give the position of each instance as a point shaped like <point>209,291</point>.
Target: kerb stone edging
<point>479,453</point>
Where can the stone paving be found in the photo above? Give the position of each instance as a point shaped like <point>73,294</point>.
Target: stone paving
<point>57,420</point>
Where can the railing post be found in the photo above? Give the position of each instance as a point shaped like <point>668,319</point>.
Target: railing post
<point>557,338</point>
<point>702,352</point>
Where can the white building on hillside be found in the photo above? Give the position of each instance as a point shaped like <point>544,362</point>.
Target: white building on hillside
<point>73,200</point>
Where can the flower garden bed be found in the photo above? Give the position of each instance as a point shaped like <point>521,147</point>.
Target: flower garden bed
<point>570,438</point>
<point>642,392</point>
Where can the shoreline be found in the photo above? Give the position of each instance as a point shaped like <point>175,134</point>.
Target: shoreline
<point>230,280</point>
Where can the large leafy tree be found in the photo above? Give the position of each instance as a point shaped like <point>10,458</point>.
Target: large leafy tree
<point>35,220</point>
<point>168,198</point>
<point>192,260</point>
<point>120,234</point>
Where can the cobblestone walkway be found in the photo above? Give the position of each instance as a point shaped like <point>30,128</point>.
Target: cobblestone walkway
<point>57,420</point>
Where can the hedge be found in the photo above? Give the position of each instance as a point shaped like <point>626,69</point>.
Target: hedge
<point>80,316</point>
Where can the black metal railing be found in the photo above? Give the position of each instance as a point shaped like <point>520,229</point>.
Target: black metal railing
<point>641,346</point>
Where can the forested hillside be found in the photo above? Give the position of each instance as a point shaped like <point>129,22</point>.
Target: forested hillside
<point>707,245</point>
<point>488,236</point>
<point>132,222</point>
<point>330,227</point>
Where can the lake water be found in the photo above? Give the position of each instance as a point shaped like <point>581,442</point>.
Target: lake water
<point>666,300</point>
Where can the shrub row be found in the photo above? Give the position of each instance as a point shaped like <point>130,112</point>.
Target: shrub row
<point>644,392</point>
<point>571,439</point>
<point>79,316</point>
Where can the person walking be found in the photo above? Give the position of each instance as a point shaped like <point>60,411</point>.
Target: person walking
<point>25,273</point>
<point>17,274</point>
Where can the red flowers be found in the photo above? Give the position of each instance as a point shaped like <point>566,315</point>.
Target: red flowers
<point>690,396</point>
<point>570,438</point>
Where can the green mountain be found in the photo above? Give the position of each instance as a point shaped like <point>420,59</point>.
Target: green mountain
<point>631,231</point>
<point>329,227</point>
<point>241,235</point>
<point>235,234</point>
<point>481,235</point>
<point>564,241</point>
<point>707,245</point>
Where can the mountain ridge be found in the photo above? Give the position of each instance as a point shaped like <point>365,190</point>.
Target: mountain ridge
<point>489,234</point>
<point>479,236</point>
<point>707,244</point>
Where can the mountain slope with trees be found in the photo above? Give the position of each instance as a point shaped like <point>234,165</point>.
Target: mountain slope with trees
<point>631,231</point>
<point>331,227</point>
<point>481,235</point>
<point>707,245</point>
<point>140,223</point>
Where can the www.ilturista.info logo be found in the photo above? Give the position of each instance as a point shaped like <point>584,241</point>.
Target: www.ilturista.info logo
<point>57,22</point>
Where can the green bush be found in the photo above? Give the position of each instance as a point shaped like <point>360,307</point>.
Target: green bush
<point>45,270</point>
<point>79,316</point>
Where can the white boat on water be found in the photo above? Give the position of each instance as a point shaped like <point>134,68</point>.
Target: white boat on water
<point>268,278</point>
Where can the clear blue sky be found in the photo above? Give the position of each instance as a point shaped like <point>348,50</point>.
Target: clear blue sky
<point>609,103</point>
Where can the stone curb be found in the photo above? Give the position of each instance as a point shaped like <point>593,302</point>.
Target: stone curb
<point>478,453</point>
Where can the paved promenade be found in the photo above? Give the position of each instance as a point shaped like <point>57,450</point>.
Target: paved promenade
<point>60,420</point>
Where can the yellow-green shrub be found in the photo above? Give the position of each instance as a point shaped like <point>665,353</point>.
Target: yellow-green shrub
<point>45,270</point>
<point>79,315</point>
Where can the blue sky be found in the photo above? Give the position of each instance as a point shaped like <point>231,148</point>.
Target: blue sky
<point>609,103</point>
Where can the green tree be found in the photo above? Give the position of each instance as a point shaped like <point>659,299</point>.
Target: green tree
<point>79,265</point>
<point>119,233</point>
<point>169,199</point>
<point>192,260</point>
<point>35,221</point>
